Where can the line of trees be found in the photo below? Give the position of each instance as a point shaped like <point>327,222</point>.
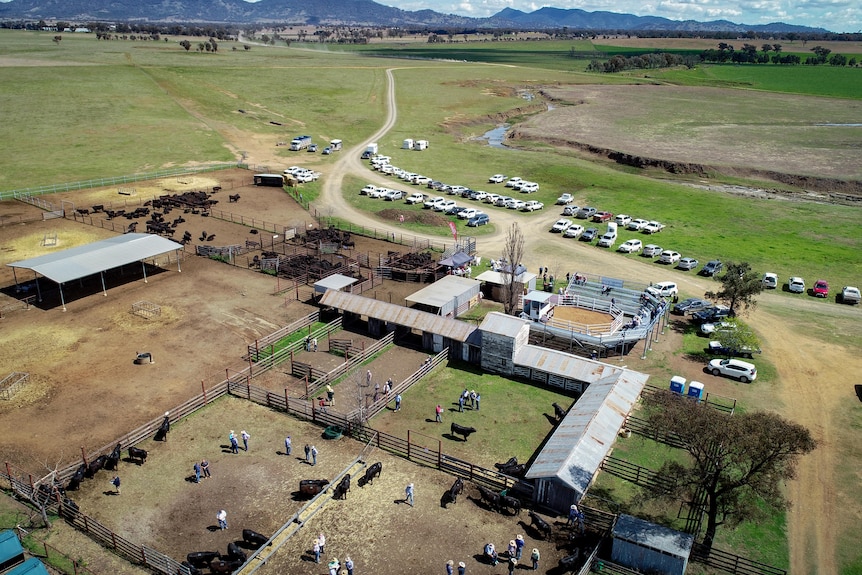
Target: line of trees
<point>750,55</point>
<point>654,60</point>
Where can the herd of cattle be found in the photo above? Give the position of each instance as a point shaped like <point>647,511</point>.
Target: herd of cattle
<point>233,560</point>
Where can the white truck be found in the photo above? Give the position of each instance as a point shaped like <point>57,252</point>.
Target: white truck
<point>300,143</point>
<point>369,151</point>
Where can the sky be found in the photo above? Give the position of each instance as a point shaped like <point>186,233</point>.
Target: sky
<point>833,15</point>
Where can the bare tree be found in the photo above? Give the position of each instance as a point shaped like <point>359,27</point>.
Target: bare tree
<point>513,253</point>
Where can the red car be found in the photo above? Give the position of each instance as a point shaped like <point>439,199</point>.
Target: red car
<point>821,288</point>
<point>602,216</point>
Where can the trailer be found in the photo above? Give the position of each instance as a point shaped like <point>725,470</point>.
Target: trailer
<point>300,143</point>
<point>407,144</point>
<point>335,145</point>
<point>420,145</point>
<point>370,150</point>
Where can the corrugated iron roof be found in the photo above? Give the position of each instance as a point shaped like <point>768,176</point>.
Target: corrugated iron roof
<point>502,324</point>
<point>89,259</point>
<point>653,536</point>
<point>498,278</point>
<point>444,290</point>
<point>400,315</point>
<point>335,281</point>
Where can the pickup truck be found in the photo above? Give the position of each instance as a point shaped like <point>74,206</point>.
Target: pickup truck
<point>602,217</point>
<point>415,198</point>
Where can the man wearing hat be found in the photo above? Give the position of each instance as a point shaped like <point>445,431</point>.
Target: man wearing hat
<point>573,515</point>
<point>450,567</point>
<point>462,568</point>
<point>519,546</point>
<point>334,566</point>
<point>534,557</point>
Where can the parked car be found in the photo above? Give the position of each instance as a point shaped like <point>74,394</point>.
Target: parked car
<point>623,220</point>
<point>455,210</point>
<point>327,150</point>
<point>512,182</point>
<point>735,368</point>
<point>561,225</point>
<point>585,213</point>
<point>502,201</point>
<point>850,295</point>
<point>589,234</point>
<point>571,210</point>
<point>312,148</point>
<point>710,328</point>
<point>668,257</point>
<point>574,231</point>
<point>607,240</point>
<point>565,199</point>
<point>770,280</point>
<point>456,190</point>
<point>716,348</point>
<point>468,213</point>
<point>478,195</point>
<point>497,179</point>
<point>532,206</point>
<point>514,204</point>
<point>367,189</point>
<point>416,198</point>
<point>431,202</point>
<point>691,305</point>
<point>491,198</point>
<point>443,205</point>
<point>652,227</point>
<point>796,285</point>
<point>479,219</point>
<point>820,289</point>
<point>651,251</point>
<point>393,195</point>
<point>711,314</point>
<point>636,224</point>
<point>421,180</point>
<point>602,217</point>
<point>378,193</point>
<point>687,264</point>
<point>711,268</point>
<point>631,246</point>
<point>663,289</point>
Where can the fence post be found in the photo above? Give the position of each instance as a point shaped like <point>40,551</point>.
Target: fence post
<point>204,391</point>
<point>439,454</point>
<point>286,401</point>
<point>84,456</point>
<point>408,444</point>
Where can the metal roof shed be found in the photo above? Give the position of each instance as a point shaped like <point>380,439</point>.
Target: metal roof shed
<point>448,296</point>
<point>31,566</point>
<point>335,282</point>
<point>11,551</point>
<point>650,548</point>
<point>96,258</point>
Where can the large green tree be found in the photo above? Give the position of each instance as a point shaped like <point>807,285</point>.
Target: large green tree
<point>739,285</point>
<point>737,461</point>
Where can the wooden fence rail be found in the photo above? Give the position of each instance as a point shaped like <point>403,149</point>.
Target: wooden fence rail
<point>730,563</point>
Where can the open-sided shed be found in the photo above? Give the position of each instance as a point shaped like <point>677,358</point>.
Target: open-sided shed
<point>650,548</point>
<point>494,283</point>
<point>449,296</point>
<point>96,258</point>
<point>337,282</point>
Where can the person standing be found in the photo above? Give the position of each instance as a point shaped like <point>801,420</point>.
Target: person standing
<point>478,397</point>
<point>511,549</point>
<point>376,392</point>
<point>116,483</point>
<point>316,550</point>
<point>245,437</point>
<point>348,564</point>
<point>197,468</point>
<point>307,453</point>
<point>330,394</point>
<point>314,343</point>
<point>313,455</point>
<point>450,567</point>
<point>398,402</point>
<point>321,540</point>
<point>519,546</point>
<point>221,517</point>
<point>288,445</point>
<point>462,568</point>
<point>473,399</point>
<point>409,492</point>
<point>534,557</point>
<point>573,515</point>
<point>205,467</point>
<point>460,403</point>
<point>439,411</point>
<point>368,377</point>
<point>512,564</point>
<point>234,444</point>
<point>334,566</point>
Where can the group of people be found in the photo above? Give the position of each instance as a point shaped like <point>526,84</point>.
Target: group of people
<point>234,442</point>
<point>514,553</point>
<point>467,397</point>
<point>576,519</point>
<point>310,343</point>
<point>318,547</point>
<point>202,470</point>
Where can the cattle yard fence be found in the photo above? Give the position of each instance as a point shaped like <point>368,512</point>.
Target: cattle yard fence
<point>10,384</point>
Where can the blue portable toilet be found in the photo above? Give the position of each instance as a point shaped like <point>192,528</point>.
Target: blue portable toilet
<point>677,384</point>
<point>695,390</point>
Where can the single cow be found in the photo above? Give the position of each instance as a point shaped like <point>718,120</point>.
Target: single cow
<point>136,453</point>
<point>253,538</point>
<point>222,566</point>
<point>164,428</point>
<point>456,489</point>
<point>372,472</point>
<point>234,553</point>
<point>490,497</point>
<point>75,480</point>
<point>113,458</point>
<point>462,430</point>
<point>559,412</point>
<point>542,526</point>
<point>343,487</point>
<point>96,465</point>
<point>515,471</point>
<point>201,559</point>
<point>512,503</point>
<point>311,487</point>
<point>571,562</point>
<point>512,461</point>
<point>233,198</point>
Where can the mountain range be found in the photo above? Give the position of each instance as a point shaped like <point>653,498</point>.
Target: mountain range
<point>356,13</point>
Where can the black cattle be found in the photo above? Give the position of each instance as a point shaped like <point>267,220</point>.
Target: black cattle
<point>311,487</point>
<point>372,472</point>
<point>222,566</point>
<point>96,465</point>
<point>233,198</point>
<point>570,562</point>
<point>234,553</point>
<point>489,497</point>
<point>138,454</point>
<point>515,471</point>
<point>510,503</point>
<point>192,569</point>
<point>75,480</point>
<point>340,492</point>
<point>456,489</point>
<point>202,558</point>
<point>542,526</point>
<point>253,538</point>
<point>461,430</point>
<point>512,461</point>
<point>559,411</point>
<point>164,428</point>
<point>113,458</point>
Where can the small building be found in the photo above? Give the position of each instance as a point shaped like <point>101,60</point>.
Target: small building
<point>503,336</point>
<point>337,282</point>
<point>538,305</point>
<point>493,283</point>
<point>11,551</point>
<point>650,548</point>
<point>449,296</point>
<point>276,180</point>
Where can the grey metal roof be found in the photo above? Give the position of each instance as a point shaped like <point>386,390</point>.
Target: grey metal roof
<point>335,281</point>
<point>574,453</point>
<point>89,259</point>
<point>443,291</point>
<point>502,324</point>
<point>652,536</point>
<point>540,296</point>
<point>564,364</point>
<point>400,315</point>
<point>498,279</point>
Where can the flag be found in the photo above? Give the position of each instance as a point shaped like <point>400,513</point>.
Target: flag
<point>454,230</point>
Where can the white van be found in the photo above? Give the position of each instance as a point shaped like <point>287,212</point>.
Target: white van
<point>663,289</point>
<point>770,280</point>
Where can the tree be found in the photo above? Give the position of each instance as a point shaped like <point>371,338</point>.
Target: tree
<point>57,39</point>
<point>739,285</point>
<point>186,44</point>
<point>737,337</point>
<point>738,461</point>
<point>513,252</point>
